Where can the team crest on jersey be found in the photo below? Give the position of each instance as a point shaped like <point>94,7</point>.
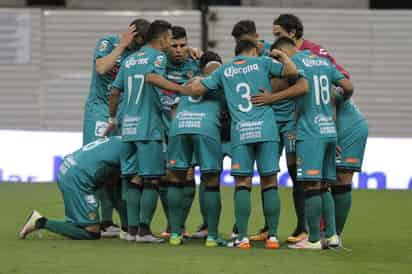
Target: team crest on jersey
<point>100,128</point>
<point>140,54</point>
<point>92,215</point>
<point>103,45</point>
<point>159,60</point>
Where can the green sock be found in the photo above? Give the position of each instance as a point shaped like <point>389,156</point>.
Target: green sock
<point>202,206</point>
<point>313,209</point>
<point>175,196</point>
<point>124,184</point>
<point>188,197</point>
<point>133,204</point>
<point>299,203</point>
<point>213,206</point>
<point>120,206</point>
<point>163,199</point>
<point>148,203</point>
<point>271,209</point>
<point>105,204</point>
<point>328,213</point>
<point>342,196</point>
<point>67,229</point>
<point>242,210</point>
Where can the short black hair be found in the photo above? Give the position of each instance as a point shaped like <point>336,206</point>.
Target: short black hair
<point>178,32</point>
<point>291,23</point>
<point>245,45</point>
<point>157,28</point>
<point>243,27</point>
<point>282,42</point>
<point>209,56</point>
<point>142,27</point>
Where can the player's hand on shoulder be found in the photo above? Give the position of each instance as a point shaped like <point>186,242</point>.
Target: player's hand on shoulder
<point>127,37</point>
<point>195,53</point>
<point>112,125</point>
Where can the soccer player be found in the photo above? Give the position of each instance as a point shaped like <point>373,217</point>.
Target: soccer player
<point>80,174</point>
<point>316,137</point>
<point>291,26</point>
<point>180,68</point>
<point>110,51</point>
<point>246,30</point>
<point>253,132</point>
<point>195,131</point>
<point>141,76</point>
<point>352,131</point>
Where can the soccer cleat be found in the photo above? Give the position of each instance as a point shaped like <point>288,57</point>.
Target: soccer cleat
<point>215,242</point>
<point>200,234</point>
<point>242,244</point>
<point>166,235</point>
<point>30,224</point>
<point>234,236</point>
<point>175,240</point>
<point>149,238</point>
<point>333,242</point>
<point>262,235</point>
<point>110,231</point>
<point>293,239</point>
<point>305,244</point>
<point>272,243</point>
<point>186,235</point>
<point>128,237</point>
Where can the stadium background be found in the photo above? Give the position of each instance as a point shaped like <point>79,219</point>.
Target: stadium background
<point>45,67</point>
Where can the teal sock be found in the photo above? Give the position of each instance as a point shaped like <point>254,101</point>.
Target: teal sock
<point>133,204</point>
<point>271,209</point>
<point>67,229</point>
<point>202,206</point>
<point>242,210</point>
<point>313,209</point>
<point>120,206</point>
<point>299,204</point>
<point>175,196</point>
<point>213,206</point>
<point>342,196</point>
<point>163,199</point>
<point>105,204</point>
<point>124,184</point>
<point>148,203</point>
<point>328,213</point>
<point>188,197</point>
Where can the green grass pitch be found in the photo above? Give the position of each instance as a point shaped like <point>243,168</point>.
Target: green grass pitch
<point>379,234</point>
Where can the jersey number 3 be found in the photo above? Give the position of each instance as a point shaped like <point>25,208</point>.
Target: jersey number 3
<point>244,89</point>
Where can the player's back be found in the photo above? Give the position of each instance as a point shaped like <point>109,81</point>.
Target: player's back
<point>141,119</point>
<point>348,115</point>
<point>314,109</point>
<point>94,162</point>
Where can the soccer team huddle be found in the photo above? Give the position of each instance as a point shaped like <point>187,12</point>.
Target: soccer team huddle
<point>157,108</point>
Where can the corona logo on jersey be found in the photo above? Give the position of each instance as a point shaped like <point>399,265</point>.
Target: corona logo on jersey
<point>232,70</point>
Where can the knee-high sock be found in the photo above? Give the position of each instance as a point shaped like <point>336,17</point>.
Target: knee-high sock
<point>148,203</point>
<point>342,196</point>
<point>271,209</point>
<point>163,188</point>
<point>328,213</point>
<point>189,195</point>
<point>134,194</point>
<point>213,206</point>
<point>105,204</point>
<point>175,195</point>
<point>313,210</point>
<point>242,210</point>
<point>202,206</point>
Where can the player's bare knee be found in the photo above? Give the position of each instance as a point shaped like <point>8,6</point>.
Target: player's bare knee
<point>291,159</point>
<point>177,176</point>
<point>190,174</point>
<point>311,186</point>
<point>212,179</point>
<point>344,177</point>
<point>243,181</point>
<point>268,182</point>
<point>137,180</point>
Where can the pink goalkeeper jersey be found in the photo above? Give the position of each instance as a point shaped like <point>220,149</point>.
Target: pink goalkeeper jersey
<point>319,51</point>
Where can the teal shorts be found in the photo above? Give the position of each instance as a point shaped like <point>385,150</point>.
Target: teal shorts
<point>143,158</point>
<point>316,160</point>
<point>81,207</point>
<point>287,134</point>
<point>94,129</point>
<point>184,148</point>
<point>352,146</point>
<point>264,153</point>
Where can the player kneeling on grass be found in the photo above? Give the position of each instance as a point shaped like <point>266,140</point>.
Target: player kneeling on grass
<point>80,175</point>
<point>315,139</point>
<point>253,132</point>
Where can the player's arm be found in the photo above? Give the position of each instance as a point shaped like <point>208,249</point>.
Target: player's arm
<point>346,87</point>
<point>289,68</point>
<point>161,82</point>
<point>106,63</point>
<point>266,98</point>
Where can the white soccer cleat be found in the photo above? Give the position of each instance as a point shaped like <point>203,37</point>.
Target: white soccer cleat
<point>110,232</point>
<point>128,237</point>
<point>305,244</point>
<point>30,224</point>
<point>149,238</point>
<point>333,242</point>
<point>200,234</point>
<point>242,244</point>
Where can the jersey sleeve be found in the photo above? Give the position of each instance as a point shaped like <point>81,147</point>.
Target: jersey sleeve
<point>103,48</point>
<point>213,81</point>
<point>274,67</point>
<point>336,75</point>
<point>118,81</point>
<point>159,65</point>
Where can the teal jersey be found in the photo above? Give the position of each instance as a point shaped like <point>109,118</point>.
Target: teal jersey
<point>265,51</point>
<point>199,115</point>
<point>314,109</point>
<point>347,115</point>
<point>179,74</point>
<point>98,99</point>
<point>95,162</point>
<point>241,78</point>
<point>142,115</point>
